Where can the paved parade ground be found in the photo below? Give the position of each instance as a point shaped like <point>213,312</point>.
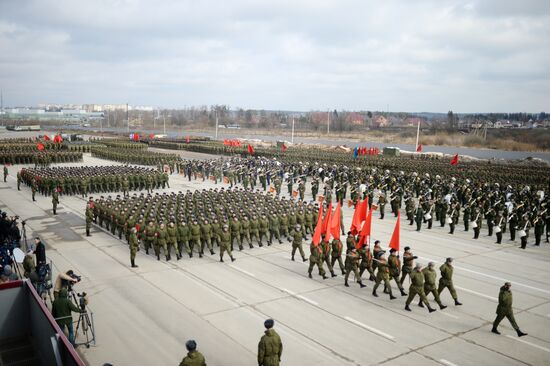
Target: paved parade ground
<point>143,316</point>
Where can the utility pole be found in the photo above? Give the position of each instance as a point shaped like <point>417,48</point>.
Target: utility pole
<point>292,138</point>
<point>328,122</point>
<point>127,118</point>
<point>164,122</point>
<point>216,125</point>
<point>101,124</point>
<point>417,134</point>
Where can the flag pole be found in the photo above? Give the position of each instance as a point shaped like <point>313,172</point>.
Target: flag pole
<point>417,135</point>
<point>292,138</point>
<point>216,125</point>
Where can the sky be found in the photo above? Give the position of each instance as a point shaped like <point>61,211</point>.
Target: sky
<point>401,55</point>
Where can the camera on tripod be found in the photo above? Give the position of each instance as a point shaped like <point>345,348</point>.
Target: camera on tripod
<point>82,300</point>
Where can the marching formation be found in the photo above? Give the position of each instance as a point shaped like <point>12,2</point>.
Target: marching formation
<point>92,179</point>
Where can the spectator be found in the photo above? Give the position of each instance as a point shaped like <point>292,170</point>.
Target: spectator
<point>40,252</point>
<point>194,357</point>
<point>62,281</point>
<point>12,276</point>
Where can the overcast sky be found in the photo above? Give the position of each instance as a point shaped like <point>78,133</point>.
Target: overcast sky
<point>413,55</point>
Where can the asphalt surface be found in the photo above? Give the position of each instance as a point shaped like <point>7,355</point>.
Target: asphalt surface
<point>144,316</point>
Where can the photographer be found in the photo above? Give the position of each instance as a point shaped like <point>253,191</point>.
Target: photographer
<point>40,252</point>
<point>64,281</point>
<point>62,312</point>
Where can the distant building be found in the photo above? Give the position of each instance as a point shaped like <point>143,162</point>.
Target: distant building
<point>380,121</point>
<point>66,115</point>
<point>355,119</point>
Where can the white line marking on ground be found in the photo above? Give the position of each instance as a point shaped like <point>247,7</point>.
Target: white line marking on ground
<point>494,299</point>
<point>447,314</point>
<point>493,277</point>
<point>290,292</point>
<point>307,300</point>
<point>374,330</point>
<point>528,343</point>
<point>448,363</point>
<point>243,271</point>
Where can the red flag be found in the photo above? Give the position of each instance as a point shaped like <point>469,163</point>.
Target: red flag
<point>135,137</point>
<point>419,148</point>
<point>151,135</point>
<point>359,215</point>
<point>187,139</point>
<point>455,160</point>
<point>250,149</point>
<point>40,146</point>
<point>283,147</point>
<point>365,230</point>
<point>57,139</point>
<point>318,227</point>
<point>326,219</point>
<point>46,138</point>
<point>335,223</point>
<point>394,242</point>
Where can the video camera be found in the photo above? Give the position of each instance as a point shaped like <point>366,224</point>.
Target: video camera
<point>74,276</point>
<point>82,300</point>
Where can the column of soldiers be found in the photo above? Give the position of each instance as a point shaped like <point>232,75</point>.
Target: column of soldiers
<point>24,151</point>
<point>201,221</point>
<point>92,179</point>
<point>448,200</point>
<point>134,156</point>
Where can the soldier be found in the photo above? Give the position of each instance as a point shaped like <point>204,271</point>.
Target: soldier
<point>316,258</point>
<point>446,280</point>
<point>150,237</point>
<point>245,231</point>
<point>504,309</point>
<point>296,235</point>
<point>255,230</point>
<point>408,259</point>
<point>134,246</point>
<point>263,229</point>
<point>89,219</point>
<point>383,274</point>
<point>172,241</point>
<point>419,216</point>
<point>417,288</point>
<point>33,189</point>
<point>19,181</point>
<point>336,255</point>
<point>236,233</point>
<point>195,231</point>
<point>161,235</point>
<point>366,262</point>
<point>5,173</point>
<point>206,237</point>
<point>499,224</point>
<point>270,347</point>
<point>55,200</point>
<point>225,243</point>
<point>429,285</point>
<point>325,245</point>
<point>394,267</point>
<point>381,205</point>
<point>352,261</point>
<point>183,238</point>
<point>274,229</point>
<point>350,242</point>
<point>466,217</point>
<point>538,223</point>
<point>194,357</point>
<point>524,225</point>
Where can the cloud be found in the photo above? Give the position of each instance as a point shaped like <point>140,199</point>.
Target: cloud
<point>469,56</point>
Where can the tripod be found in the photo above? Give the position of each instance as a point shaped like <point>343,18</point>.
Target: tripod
<point>86,320</point>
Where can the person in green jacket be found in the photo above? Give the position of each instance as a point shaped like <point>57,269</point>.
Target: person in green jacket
<point>270,347</point>
<point>134,246</point>
<point>446,280</point>
<point>194,357</point>
<point>504,309</point>
<point>55,200</point>
<point>296,236</point>
<point>61,311</point>
<point>417,288</point>
<point>224,238</point>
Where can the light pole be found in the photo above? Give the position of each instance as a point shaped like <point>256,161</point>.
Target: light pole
<point>127,119</point>
<point>216,125</point>
<point>292,137</point>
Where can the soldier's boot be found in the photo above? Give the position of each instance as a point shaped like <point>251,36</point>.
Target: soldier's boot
<point>232,259</point>
<point>280,241</point>
<point>392,297</point>
<point>200,254</point>
<point>372,278</point>
<point>374,293</point>
<point>88,232</point>
<point>158,257</point>
<point>251,246</point>
<point>343,272</point>
<point>168,257</point>
<point>385,289</point>
<point>346,283</point>
<point>421,304</point>
<point>260,244</point>
<point>324,276</point>
<point>240,247</point>
<point>190,254</point>
<point>147,251</point>
<point>221,260</point>
<point>457,303</point>
<point>212,252</point>
<point>332,274</point>
<point>430,309</point>
<point>309,275</point>
<point>133,263</point>
<point>403,293</point>
<point>495,330</point>
<point>407,307</point>
<point>292,258</point>
<point>304,259</point>
<point>361,285</point>
<point>520,333</point>
<point>441,306</point>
